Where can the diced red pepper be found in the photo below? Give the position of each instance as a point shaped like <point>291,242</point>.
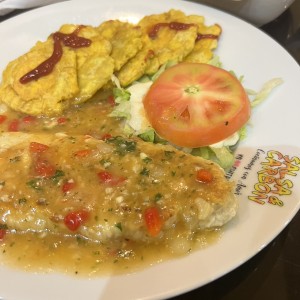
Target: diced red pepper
<point>75,219</point>
<point>110,179</point>
<point>14,125</point>
<point>105,177</point>
<point>68,186</point>
<point>83,153</point>
<point>106,136</point>
<point>2,234</point>
<point>149,55</point>
<point>62,120</point>
<point>111,100</point>
<point>43,168</point>
<point>35,147</point>
<point>204,176</point>
<point>2,118</point>
<point>153,221</point>
<point>28,119</point>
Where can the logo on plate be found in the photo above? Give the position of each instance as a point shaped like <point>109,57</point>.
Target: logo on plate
<point>264,176</point>
<point>275,178</point>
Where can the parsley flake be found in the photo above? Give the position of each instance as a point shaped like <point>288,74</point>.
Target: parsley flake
<point>119,226</point>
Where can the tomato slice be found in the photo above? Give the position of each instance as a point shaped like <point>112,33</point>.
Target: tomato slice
<point>194,105</point>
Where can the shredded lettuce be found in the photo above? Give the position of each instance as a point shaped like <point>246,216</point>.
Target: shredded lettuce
<point>203,152</point>
<point>148,136</point>
<point>165,66</point>
<point>265,91</point>
<point>122,110</point>
<point>215,61</point>
<point>243,133</point>
<point>130,107</point>
<point>222,156</point>
<point>122,97</point>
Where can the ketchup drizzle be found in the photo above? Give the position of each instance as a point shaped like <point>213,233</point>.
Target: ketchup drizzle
<point>152,33</point>
<point>201,36</point>
<point>71,40</point>
<point>172,25</point>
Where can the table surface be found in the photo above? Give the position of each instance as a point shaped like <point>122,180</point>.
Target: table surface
<point>274,273</point>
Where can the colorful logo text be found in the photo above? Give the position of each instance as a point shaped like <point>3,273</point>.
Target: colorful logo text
<point>274,178</point>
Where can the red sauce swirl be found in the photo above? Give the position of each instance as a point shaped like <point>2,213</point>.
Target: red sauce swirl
<point>172,25</point>
<point>152,33</point>
<point>71,40</point>
<point>206,36</point>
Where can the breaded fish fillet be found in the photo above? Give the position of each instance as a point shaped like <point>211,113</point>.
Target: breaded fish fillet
<point>102,190</point>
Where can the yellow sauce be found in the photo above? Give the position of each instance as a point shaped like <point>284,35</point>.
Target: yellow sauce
<point>51,253</point>
<point>42,252</point>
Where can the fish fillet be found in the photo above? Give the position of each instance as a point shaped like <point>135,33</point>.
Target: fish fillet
<point>45,178</point>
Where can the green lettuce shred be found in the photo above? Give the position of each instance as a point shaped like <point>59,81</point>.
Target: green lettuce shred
<point>122,97</point>
<point>165,66</point>
<point>215,61</point>
<point>243,133</point>
<point>122,110</point>
<point>265,91</point>
<point>222,156</point>
<point>148,136</point>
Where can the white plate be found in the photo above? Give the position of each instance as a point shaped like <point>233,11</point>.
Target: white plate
<point>275,126</point>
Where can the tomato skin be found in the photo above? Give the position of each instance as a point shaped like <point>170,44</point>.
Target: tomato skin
<point>75,219</point>
<point>153,221</point>
<point>194,105</point>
